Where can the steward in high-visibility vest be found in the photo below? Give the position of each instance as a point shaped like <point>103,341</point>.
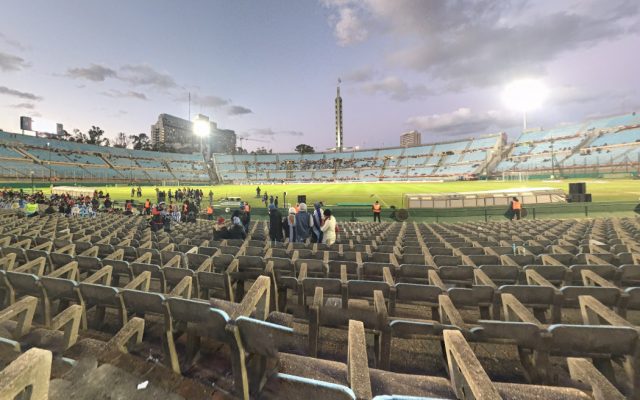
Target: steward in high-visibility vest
<point>147,207</point>
<point>516,208</point>
<point>377,209</point>
<point>210,213</point>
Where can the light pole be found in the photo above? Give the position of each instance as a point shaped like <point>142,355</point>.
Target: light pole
<point>553,156</point>
<point>50,181</point>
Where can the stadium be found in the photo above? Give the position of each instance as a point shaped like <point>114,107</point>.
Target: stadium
<point>475,265</point>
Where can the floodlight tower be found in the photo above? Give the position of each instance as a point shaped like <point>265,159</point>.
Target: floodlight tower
<point>525,95</point>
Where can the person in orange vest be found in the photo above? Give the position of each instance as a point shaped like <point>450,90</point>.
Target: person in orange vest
<point>377,208</point>
<point>210,212</point>
<point>147,207</point>
<point>516,209</point>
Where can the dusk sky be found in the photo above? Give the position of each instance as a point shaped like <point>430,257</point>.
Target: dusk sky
<point>268,69</point>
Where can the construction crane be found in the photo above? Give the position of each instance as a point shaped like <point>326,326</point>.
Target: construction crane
<point>241,139</point>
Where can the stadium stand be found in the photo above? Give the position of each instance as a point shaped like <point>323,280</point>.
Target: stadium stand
<point>523,310</point>
<point>66,161</point>
<point>605,145</point>
<point>451,161</point>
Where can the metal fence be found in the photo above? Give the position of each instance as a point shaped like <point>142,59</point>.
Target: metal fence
<point>540,211</point>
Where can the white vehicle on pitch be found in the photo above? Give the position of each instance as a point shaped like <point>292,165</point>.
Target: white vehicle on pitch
<point>232,202</point>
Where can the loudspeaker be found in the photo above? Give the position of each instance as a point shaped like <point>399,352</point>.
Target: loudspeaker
<point>579,198</point>
<point>302,198</point>
<point>575,198</point>
<point>578,188</point>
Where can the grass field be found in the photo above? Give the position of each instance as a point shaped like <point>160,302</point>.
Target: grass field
<point>392,193</point>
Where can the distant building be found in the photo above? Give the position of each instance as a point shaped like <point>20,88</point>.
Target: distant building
<point>175,132</point>
<point>224,141</point>
<point>412,138</point>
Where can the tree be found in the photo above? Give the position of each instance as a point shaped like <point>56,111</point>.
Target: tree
<point>305,149</point>
<point>260,151</point>
<point>240,150</point>
<point>95,136</point>
<point>64,136</point>
<point>78,136</point>
<point>140,141</point>
<point>122,141</point>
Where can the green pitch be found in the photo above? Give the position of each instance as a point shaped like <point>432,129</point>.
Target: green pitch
<point>390,193</point>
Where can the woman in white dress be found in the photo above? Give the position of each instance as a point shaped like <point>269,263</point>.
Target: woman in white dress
<point>328,228</point>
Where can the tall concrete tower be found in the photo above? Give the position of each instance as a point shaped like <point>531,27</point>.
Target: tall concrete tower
<point>339,143</point>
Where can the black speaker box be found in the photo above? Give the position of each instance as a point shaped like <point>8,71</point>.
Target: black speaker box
<point>587,197</point>
<point>302,198</point>
<point>578,188</point>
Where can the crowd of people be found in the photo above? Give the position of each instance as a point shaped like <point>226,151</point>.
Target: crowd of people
<point>37,203</point>
<point>299,224</point>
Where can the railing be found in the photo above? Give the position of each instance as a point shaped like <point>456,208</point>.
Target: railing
<point>537,211</point>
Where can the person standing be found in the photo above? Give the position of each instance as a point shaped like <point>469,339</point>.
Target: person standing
<point>377,209</point>
<point>291,220</point>
<point>147,207</point>
<point>516,209</point>
<point>329,228</point>
<point>133,192</point>
<point>303,223</point>
<point>247,212</point>
<point>210,196</point>
<point>275,202</point>
<point>275,224</point>
<point>317,223</point>
<point>210,212</point>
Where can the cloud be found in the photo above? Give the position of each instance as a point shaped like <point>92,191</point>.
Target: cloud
<point>238,110</point>
<point>209,100</point>
<point>463,121</point>
<point>347,22</point>
<point>133,74</point>
<point>145,75</point>
<point>270,133</point>
<point>12,42</point>
<point>27,106</point>
<point>359,75</point>
<point>19,94</point>
<point>131,94</point>
<point>395,88</point>
<point>94,72</point>
<point>481,43</point>
<point>9,62</point>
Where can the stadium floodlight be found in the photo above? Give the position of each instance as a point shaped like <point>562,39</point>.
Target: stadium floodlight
<point>525,95</point>
<point>201,127</point>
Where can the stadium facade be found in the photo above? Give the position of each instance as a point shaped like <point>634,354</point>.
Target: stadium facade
<point>597,147</point>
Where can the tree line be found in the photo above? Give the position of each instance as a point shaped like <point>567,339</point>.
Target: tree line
<point>142,141</point>
<point>95,136</point>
